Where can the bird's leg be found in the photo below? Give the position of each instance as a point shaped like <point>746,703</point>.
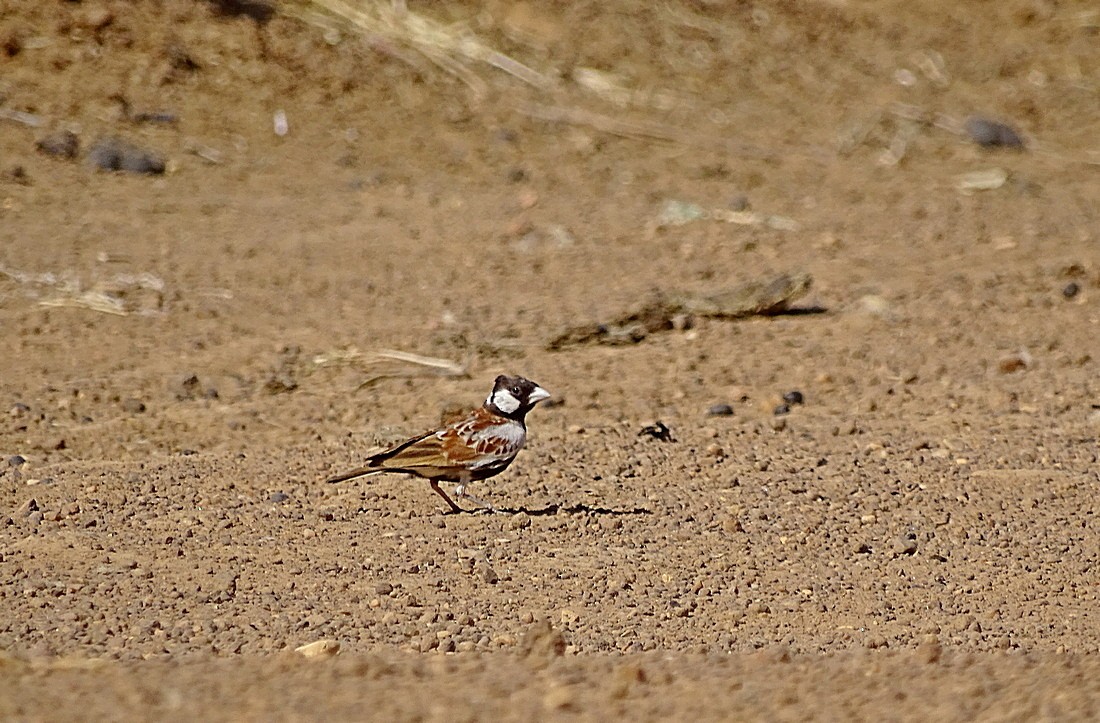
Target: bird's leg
<point>462,494</point>
<point>441,493</point>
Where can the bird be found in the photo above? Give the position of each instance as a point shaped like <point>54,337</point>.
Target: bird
<point>469,448</point>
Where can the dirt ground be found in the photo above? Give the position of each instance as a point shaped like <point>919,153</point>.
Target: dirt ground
<point>187,355</point>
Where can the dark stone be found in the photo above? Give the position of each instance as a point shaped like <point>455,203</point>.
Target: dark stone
<point>63,144</point>
<point>115,154</point>
<point>990,134</point>
<point>793,397</point>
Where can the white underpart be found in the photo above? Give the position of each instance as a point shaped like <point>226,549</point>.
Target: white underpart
<point>503,400</point>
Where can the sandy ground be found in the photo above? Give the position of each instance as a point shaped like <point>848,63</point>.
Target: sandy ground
<point>187,355</point>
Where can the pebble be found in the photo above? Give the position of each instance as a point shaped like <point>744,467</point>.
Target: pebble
<point>719,410</point>
<point>989,133</point>
<point>319,649</point>
<point>542,641</point>
<point>63,144</point>
<point>27,508</point>
<point>987,180</point>
<point>560,697</point>
<point>793,397</point>
<point>875,642</point>
<point>95,17</point>
<point>1011,363</point>
<point>133,406</point>
<point>278,497</point>
<point>1071,290</point>
<point>383,588</point>
<point>188,388</point>
<point>782,409</point>
<point>520,521</point>
<point>115,154</point>
<point>732,524</point>
<point>930,650</point>
<point>16,460</point>
<point>876,305</point>
<point>488,574</point>
<point>904,546</point>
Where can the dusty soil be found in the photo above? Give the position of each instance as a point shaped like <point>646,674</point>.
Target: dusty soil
<point>186,356</point>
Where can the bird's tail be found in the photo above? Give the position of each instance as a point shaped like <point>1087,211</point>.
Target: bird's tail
<point>361,472</point>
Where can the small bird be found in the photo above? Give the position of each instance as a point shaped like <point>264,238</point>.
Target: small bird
<point>473,447</point>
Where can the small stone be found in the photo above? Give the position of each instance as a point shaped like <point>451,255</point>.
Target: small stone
<point>875,642</point>
<point>904,546</point>
<point>278,497</point>
<point>876,305</point>
<point>559,697</point>
<point>63,144</point>
<point>738,203</point>
<point>930,650</point>
<point>115,154</point>
<point>16,460</point>
<point>719,410</point>
<point>682,322</point>
<point>778,424</point>
<point>188,388</point>
<point>543,642</point>
<point>793,397</point>
<point>96,17</point>
<point>1011,363</point>
<point>319,649</point>
<point>520,521</point>
<point>987,180</point>
<point>1071,290</point>
<point>782,409</point>
<point>27,508</point>
<point>280,382</point>
<point>989,133</point>
<point>488,574</point>
<point>133,406</point>
<point>18,409</point>
<point>383,588</point>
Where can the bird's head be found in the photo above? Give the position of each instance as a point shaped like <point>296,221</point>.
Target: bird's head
<point>513,397</point>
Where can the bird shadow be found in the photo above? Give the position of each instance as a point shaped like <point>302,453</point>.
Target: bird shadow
<point>580,509</point>
<point>800,311</point>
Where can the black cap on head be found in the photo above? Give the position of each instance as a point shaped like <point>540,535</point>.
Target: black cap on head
<point>514,396</point>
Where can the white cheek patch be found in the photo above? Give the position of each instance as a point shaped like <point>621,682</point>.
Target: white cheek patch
<point>503,400</point>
